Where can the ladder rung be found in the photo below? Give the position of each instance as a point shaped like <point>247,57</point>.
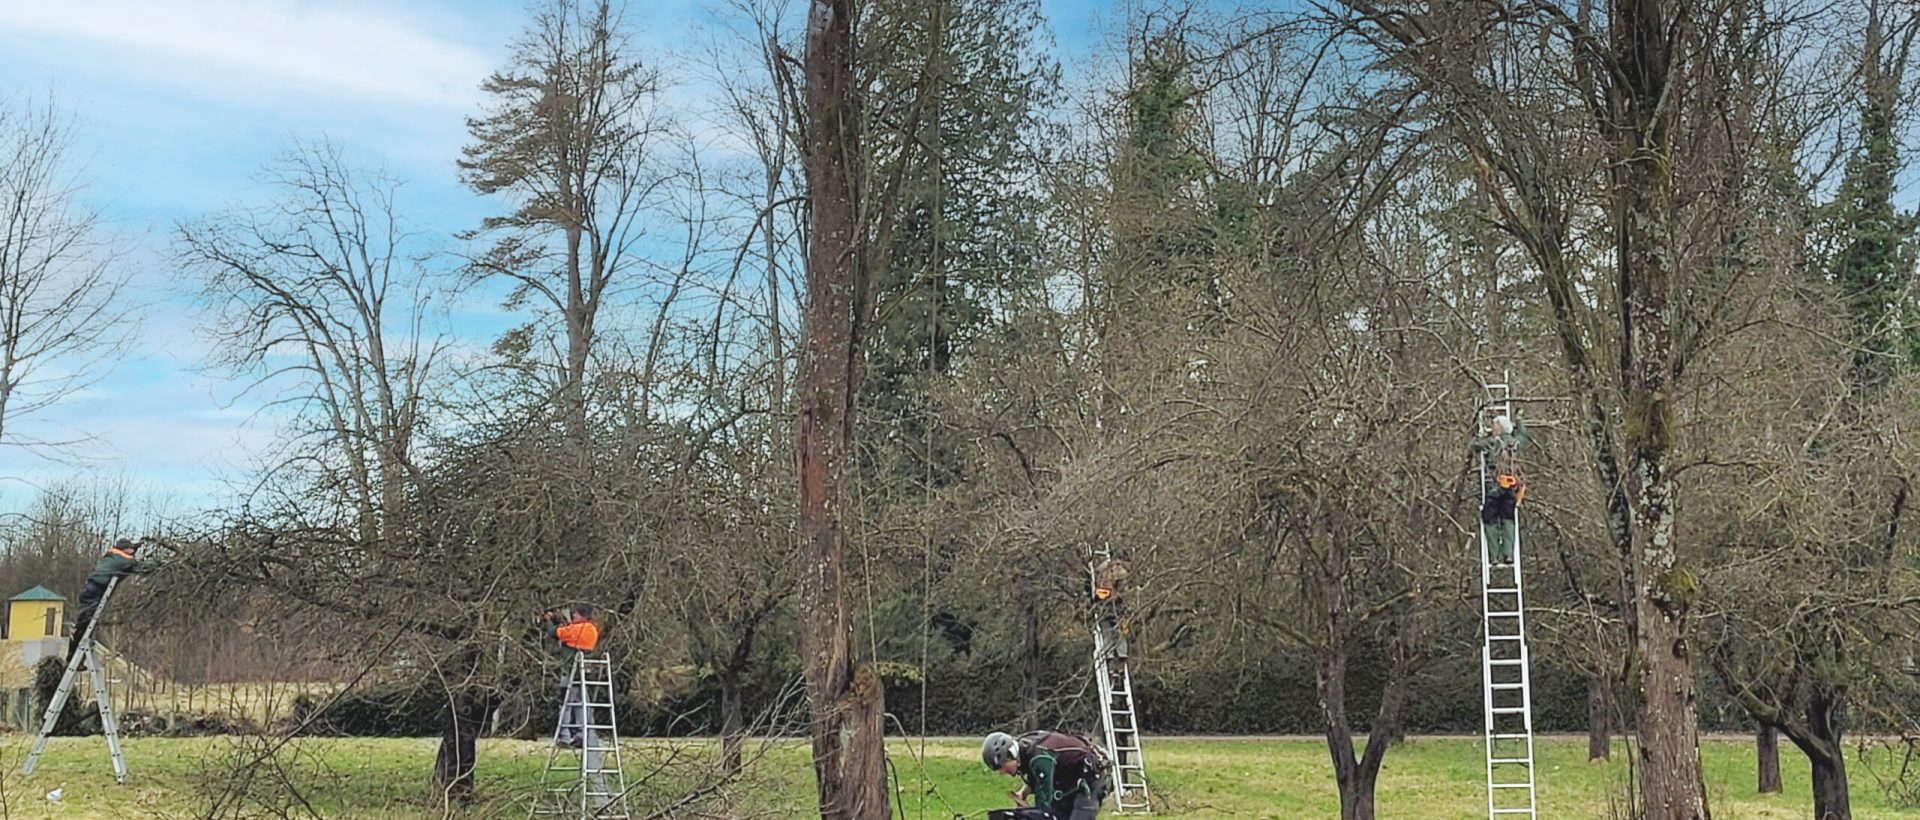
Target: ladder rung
<point>1512,737</point>
<point>1512,785</point>
<point>1505,613</point>
<point>1509,710</point>
<point>1502,590</point>
<point>1501,760</point>
<point>1507,661</point>
<point>1513,811</point>
<point>1507,686</point>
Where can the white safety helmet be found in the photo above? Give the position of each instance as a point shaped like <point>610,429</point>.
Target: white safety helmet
<point>1502,425</point>
<point>999,748</point>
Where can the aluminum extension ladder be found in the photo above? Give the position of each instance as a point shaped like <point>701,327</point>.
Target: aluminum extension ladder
<point>89,654</point>
<point>1117,715</point>
<point>1503,659</point>
<point>592,783</point>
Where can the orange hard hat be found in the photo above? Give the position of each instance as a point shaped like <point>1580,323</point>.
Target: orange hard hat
<point>1508,480</point>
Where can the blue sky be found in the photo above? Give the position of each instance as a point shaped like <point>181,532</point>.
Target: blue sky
<point>181,103</point>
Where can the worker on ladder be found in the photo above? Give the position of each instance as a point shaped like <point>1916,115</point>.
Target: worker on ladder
<point>1503,490</point>
<point>577,634</point>
<point>1060,773</point>
<point>1108,614</point>
<point>119,562</point>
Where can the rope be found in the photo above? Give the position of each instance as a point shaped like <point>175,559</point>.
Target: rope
<point>933,788</point>
<point>938,271</point>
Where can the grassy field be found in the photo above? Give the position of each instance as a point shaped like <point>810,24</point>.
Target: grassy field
<point>1436,778</point>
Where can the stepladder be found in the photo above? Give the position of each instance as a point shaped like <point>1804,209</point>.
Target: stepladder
<point>1505,665</point>
<point>583,776</point>
<point>88,655</point>
<point>1113,676</point>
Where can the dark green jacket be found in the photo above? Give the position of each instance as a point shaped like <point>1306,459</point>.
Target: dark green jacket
<point>112,566</point>
<point>1496,448</point>
<point>1493,444</point>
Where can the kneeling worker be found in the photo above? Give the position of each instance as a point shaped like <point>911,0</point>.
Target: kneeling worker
<point>1062,774</point>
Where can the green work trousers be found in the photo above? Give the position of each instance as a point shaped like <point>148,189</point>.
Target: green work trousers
<point>1502,536</point>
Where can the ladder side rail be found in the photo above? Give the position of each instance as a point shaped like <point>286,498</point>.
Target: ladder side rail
<point>546,792</point>
<point>619,767</point>
<point>1139,744</point>
<point>109,725</point>
<point>1486,646</point>
<point>1103,679</point>
<point>1526,658</point>
<point>586,729</point>
<point>52,714</point>
<point>617,792</point>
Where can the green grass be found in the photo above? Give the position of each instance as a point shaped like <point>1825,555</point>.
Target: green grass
<point>1435,778</point>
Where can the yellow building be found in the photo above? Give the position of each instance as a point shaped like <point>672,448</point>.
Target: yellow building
<point>35,614</point>
<point>35,619</point>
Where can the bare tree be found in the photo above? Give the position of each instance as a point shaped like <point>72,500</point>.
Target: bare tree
<point>63,315</point>
<point>320,301</point>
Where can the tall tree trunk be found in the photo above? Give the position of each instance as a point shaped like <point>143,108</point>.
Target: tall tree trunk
<point>1030,658</point>
<point>573,385</point>
<point>846,705</point>
<point>1641,33</point>
<point>1332,680</point>
<point>1354,775</point>
<point>1766,749</point>
<point>1830,798</point>
<point>1827,753</point>
<point>1357,775</point>
<point>1356,801</point>
<point>1599,726</point>
<point>453,763</point>
<point>733,724</point>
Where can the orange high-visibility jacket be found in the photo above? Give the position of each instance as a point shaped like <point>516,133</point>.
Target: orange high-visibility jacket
<point>581,635</point>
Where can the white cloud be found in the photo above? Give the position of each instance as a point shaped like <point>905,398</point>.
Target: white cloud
<point>343,49</point>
